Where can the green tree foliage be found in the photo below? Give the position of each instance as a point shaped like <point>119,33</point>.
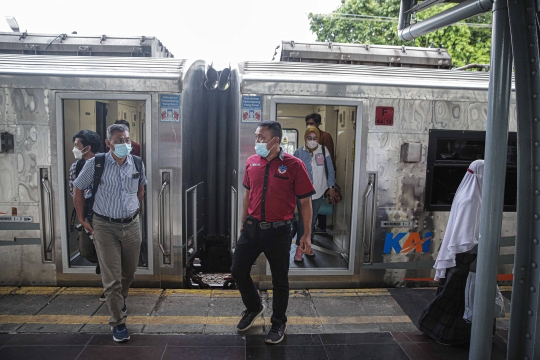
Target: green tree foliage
<point>375,22</point>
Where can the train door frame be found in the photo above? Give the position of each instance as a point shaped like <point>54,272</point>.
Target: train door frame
<point>360,178</point>
<point>60,96</point>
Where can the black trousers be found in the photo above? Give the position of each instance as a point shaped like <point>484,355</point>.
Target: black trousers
<point>275,243</point>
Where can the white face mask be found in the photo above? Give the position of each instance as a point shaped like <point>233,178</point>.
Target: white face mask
<point>78,153</point>
<point>312,144</point>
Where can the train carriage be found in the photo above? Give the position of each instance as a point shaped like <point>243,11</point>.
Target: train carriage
<point>404,138</point>
<point>44,100</point>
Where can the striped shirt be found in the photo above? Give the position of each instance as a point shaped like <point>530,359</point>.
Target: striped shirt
<point>73,176</point>
<point>117,193</point>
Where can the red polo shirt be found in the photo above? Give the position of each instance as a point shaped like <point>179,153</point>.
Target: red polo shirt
<point>274,186</point>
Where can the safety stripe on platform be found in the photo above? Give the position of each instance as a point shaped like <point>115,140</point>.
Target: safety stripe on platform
<point>7,289</point>
<point>37,290</point>
<point>187,292</point>
<point>190,320</point>
<point>82,291</point>
<point>74,291</point>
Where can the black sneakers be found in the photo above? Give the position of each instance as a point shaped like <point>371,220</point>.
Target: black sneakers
<point>248,318</point>
<point>102,298</point>
<point>276,333</point>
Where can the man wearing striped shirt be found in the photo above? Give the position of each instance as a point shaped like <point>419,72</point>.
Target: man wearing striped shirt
<point>115,224</point>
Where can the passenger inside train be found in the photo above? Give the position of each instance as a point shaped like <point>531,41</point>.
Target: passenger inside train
<point>316,158</point>
<point>86,144</point>
<point>331,242</point>
<point>326,140</point>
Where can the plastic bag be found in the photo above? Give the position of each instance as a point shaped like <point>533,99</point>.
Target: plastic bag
<point>469,299</point>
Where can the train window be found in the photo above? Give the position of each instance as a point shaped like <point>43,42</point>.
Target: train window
<point>449,154</point>
<point>289,142</point>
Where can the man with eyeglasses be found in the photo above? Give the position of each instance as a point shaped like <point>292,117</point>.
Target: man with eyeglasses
<point>115,224</point>
<point>135,147</point>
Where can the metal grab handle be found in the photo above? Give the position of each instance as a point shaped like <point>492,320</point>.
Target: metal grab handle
<point>367,246</point>
<point>165,183</point>
<point>234,218</point>
<point>50,221</point>
<point>161,225</point>
<point>191,250</point>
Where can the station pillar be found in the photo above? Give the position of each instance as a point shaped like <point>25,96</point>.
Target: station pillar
<point>493,183</point>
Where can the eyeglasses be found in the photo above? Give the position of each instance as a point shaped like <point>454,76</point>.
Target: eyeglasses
<point>120,141</point>
<point>259,138</point>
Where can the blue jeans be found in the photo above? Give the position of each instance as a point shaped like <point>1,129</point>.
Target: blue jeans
<point>275,243</point>
<point>315,205</point>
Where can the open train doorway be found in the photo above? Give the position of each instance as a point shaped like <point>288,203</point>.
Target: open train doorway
<point>97,115</point>
<point>334,244</point>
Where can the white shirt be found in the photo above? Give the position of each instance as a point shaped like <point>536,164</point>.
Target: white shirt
<point>320,183</point>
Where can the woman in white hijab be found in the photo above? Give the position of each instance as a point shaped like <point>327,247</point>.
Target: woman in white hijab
<point>442,320</point>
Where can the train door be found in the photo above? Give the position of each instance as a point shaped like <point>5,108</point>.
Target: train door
<point>96,113</point>
<point>336,246</point>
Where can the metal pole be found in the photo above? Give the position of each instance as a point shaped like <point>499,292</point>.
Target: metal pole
<point>493,183</point>
<point>524,335</point>
<point>457,13</point>
<point>405,19</point>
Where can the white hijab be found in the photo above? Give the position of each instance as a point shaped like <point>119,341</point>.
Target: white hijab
<point>463,227</point>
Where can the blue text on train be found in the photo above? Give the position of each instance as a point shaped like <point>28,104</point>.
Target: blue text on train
<point>401,243</point>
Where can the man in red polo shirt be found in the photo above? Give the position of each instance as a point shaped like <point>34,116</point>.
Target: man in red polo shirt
<point>273,180</point>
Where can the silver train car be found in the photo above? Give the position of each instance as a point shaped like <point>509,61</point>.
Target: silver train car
<point>403,140</point>
<point>403,136</point>
<point>44,100</point>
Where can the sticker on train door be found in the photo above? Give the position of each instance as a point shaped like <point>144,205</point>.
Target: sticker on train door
<point>405,242</point>
<point>169,105</point>
<point>251,108</point>
<point>384,116</point>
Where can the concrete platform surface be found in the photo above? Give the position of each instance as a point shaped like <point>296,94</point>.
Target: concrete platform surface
<point>65,323</point>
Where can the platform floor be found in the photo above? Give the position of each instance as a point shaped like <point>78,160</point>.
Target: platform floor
<point>70,323</point>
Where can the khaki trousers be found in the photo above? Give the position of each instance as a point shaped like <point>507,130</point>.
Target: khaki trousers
<point>118,247</point>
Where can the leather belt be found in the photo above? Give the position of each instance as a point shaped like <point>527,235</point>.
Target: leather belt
<point>268,225</point>
<point>118,221</point>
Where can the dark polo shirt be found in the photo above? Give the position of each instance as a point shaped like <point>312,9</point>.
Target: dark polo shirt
<point>274,186</point>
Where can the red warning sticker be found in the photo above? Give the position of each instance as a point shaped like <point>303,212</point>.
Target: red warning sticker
<point>384,115</point>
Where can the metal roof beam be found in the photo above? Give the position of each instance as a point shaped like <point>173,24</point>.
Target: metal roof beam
<point>457,13</point>
<point>424,5</point>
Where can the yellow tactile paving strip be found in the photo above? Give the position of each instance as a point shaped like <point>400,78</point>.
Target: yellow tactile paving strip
<point>7,289</point>
<point>336,292</point>
<point>37,290</point>
<point>188,320</point>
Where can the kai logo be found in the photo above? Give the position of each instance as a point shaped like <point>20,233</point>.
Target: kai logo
<point>412,242</point>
